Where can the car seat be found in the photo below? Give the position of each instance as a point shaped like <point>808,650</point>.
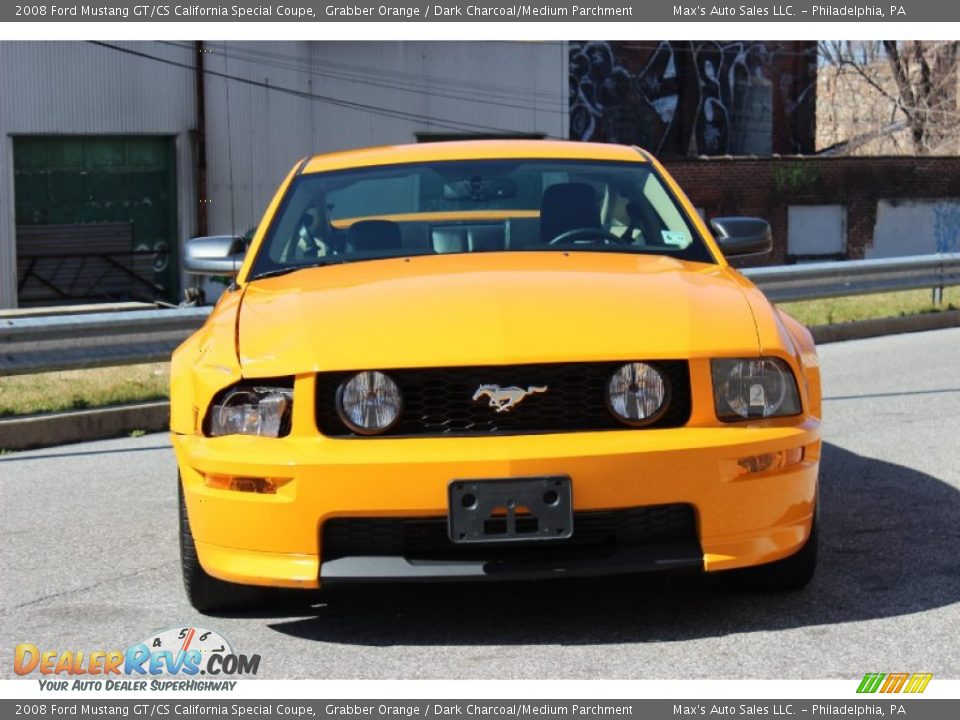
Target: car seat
<point>374,235</point>
<point>567,206</point>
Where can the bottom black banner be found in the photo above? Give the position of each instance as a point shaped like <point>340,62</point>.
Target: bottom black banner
<point>894,707</point>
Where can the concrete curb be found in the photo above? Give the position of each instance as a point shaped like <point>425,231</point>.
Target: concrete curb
<point>861,329</point>
<point>22,433</point>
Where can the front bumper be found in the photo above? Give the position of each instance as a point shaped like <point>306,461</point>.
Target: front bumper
<point>741,519</point>
<point>398,568</point>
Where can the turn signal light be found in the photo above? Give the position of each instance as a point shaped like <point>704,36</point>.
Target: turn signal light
<point>266,486</point>
<point>770,461</point>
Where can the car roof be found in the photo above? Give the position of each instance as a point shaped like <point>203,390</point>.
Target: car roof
<point>471,150</point>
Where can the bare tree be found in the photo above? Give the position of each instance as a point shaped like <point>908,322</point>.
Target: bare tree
<point>889,96</point>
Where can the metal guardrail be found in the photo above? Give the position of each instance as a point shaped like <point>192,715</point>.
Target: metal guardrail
<point>784,283</point>
<point>42,344</point>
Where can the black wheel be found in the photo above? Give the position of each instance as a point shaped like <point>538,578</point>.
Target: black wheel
<point>791,573</point>
<point>206,593</point>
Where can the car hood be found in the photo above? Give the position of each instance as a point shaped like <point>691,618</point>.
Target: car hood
<point>491,308</point>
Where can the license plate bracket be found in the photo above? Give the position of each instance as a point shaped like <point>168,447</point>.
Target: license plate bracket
<point>511,510</point>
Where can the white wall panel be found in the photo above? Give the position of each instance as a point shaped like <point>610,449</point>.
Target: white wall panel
<point>272,103</point>
<point>269,104</point>
<point>915,227</point>
<point>816,229</point>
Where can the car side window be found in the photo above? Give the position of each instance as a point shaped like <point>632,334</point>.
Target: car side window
<point>675,232</point>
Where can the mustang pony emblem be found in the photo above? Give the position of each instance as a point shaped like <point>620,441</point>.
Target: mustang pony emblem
<point>503,399</point>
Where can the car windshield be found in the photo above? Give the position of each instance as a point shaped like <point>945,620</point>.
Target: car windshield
<point>476,206</point>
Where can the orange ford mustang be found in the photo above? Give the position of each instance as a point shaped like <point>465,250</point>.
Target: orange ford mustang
<point>490,360</point>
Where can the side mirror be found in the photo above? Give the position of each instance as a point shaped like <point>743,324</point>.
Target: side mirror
<point>742,235</point>
<point>214,255</point>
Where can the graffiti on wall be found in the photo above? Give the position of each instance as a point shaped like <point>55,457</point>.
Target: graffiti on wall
<point>597,82</point>
<point>710,98</point>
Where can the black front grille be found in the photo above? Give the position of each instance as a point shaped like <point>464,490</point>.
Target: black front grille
<point>595,534</point>
<point>439,401</point>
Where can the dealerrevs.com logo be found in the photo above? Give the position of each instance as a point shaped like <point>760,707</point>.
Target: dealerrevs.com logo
<point>172,659</point>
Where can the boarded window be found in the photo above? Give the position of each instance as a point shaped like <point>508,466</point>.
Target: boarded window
<point>816,231</point>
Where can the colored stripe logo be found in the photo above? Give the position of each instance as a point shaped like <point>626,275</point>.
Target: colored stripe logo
<point>894,682</point>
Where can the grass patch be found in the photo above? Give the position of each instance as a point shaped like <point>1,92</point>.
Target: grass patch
<point>77,389</point>
<point>866,307</point>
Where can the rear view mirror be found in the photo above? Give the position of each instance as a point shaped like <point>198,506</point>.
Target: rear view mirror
<point>742,235</point>
<point>214,255</point>
<point>478,189</point>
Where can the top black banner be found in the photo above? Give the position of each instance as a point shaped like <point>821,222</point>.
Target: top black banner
<point>481,11</point>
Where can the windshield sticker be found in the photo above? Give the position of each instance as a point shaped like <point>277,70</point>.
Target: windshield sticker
<point>676,238</point>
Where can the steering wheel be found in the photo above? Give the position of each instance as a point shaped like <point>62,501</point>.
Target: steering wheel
<point>588,233</point>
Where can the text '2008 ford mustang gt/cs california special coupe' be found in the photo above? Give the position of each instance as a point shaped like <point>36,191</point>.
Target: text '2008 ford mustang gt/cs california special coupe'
<point>490,360</point>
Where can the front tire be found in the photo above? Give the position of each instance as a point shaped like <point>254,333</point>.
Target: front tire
<point>206,593</point>
<point>790,574</point>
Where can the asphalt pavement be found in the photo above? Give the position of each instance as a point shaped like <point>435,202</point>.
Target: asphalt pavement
<point>88,560</point>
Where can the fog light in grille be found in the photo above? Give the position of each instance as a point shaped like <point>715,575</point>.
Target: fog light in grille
<point>637,394</point>
<point>369,402</point>
<point>770,461</point>
<point>264,486</point>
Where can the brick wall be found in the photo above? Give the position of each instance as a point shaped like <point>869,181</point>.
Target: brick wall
<point>766,187</point>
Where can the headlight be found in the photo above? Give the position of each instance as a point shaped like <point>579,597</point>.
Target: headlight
<point>755,388</point>
<point>253,411</point>
<point>369,402</point>
<point>637,394</point>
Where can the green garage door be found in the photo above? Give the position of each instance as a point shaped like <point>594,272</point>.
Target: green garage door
<point>122,191</point>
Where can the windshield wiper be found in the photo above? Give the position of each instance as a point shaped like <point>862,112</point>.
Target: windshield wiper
<point>292,268</point>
